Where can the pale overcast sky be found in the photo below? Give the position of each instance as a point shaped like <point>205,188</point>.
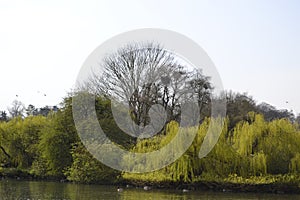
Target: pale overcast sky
<point>255,44</point>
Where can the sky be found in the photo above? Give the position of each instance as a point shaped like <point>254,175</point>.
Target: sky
<point>255,44</point>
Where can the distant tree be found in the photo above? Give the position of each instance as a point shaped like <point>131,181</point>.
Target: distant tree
<point>44,111</point>
<point>55,109</point>
<point>31,110</point>
<point>17,109</point>
<point>238,107</point>
<point>270,112</point>
<point>3,116</point>
<point>297,120</point>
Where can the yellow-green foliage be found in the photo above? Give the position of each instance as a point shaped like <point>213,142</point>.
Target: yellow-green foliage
<point>295,163</point>
<point>87,169</point>
<point>19,139</point>
<point>189,167</point>
<point>175,171</point>
<point>267,179</point>
<point>246,135</point>
<point>258,164</point>
<point>253,148</point>
<point>270,146</point>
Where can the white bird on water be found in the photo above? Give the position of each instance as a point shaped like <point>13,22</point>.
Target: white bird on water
<point>147,188</point>
<point>120,189</point>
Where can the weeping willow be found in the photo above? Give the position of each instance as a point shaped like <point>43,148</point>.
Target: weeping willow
<point>258,164</point>
<point>189,167</point>
<point>295,164</point>
<point>254,147</point>
<point>269,146</point>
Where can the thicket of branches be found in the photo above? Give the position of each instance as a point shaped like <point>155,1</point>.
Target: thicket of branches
<point>143,75</point>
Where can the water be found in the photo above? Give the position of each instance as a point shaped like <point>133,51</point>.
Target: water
<point>33,190</point>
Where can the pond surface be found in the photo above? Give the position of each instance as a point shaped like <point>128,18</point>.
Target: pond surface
<point>34,190</point>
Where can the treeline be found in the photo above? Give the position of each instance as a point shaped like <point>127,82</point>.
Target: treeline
<point>251,145</point>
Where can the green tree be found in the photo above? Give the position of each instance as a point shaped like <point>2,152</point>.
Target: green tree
<point>87,169</point>
<point>55,148</point>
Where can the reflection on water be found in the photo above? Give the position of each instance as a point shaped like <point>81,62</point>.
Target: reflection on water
<point>33,190</point>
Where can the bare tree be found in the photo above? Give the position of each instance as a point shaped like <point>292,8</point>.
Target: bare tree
<point>143,75</point>
<point>17,109</point>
